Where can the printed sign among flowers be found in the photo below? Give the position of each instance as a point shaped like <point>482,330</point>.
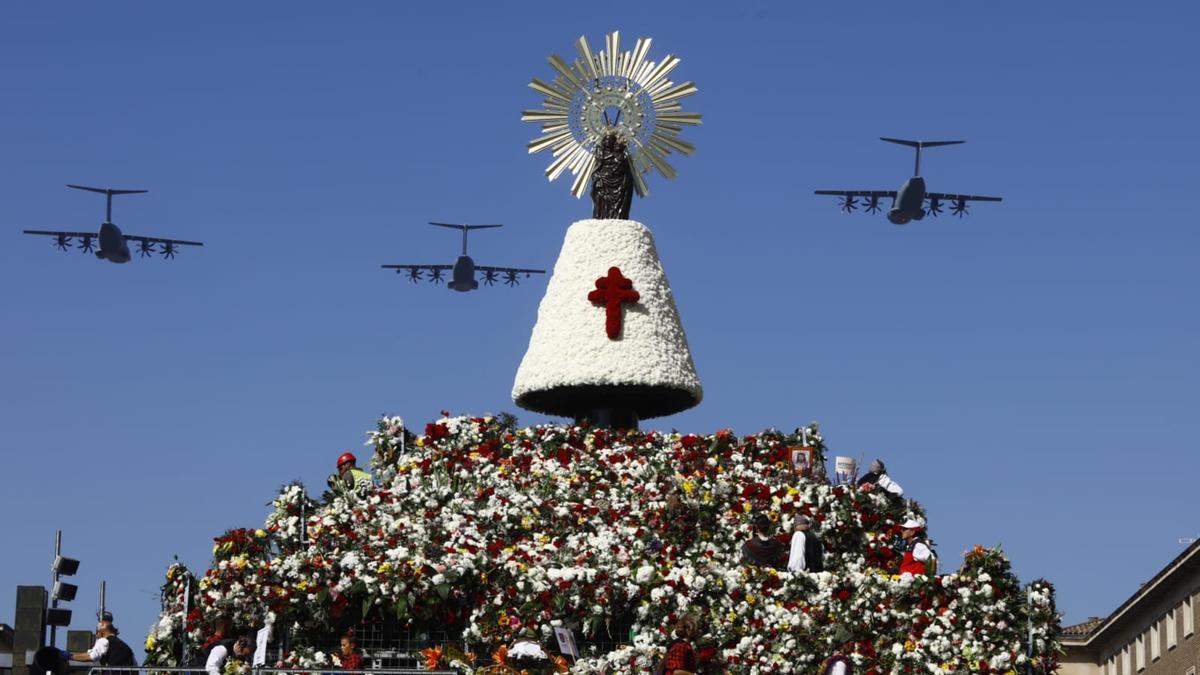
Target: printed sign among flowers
<point>488,529</point>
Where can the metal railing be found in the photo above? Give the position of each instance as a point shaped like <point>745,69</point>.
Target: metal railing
<point>195,670</point>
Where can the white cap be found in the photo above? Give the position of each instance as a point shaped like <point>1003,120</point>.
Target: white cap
<point>913,524</point>
<point>571,358</point>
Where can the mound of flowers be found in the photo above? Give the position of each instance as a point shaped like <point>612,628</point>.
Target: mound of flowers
<point>485,530</point>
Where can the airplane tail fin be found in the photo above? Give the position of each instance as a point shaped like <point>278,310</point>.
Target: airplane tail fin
<point>465,229</point>
<point>106,191</point>
<point>919,144</point>
<point>464,226</point>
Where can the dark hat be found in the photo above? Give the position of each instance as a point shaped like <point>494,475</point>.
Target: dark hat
<point>104,616</point>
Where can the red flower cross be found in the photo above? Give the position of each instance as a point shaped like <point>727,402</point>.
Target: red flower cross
<point>612,291</point>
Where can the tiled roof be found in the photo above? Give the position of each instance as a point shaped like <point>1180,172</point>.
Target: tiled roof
<point>1082,629</point>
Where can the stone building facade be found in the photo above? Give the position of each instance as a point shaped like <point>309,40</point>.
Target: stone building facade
<point>1151,633</point>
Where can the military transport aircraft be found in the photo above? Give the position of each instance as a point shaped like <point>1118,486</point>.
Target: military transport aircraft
<point>463,277</point>
<point>909,203</point>
<point>113,244</point>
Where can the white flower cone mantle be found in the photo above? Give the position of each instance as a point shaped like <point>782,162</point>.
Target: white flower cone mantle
<point>573,367</point>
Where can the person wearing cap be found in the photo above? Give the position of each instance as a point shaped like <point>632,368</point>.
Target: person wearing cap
<point>919,558</point>
<point>349,476</point>
<point>806,554</point>
<point>763,549</point>
<point>878,477</point>
<point>108,650</point>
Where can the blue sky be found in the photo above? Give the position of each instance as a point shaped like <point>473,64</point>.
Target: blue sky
<point>1027,372</point>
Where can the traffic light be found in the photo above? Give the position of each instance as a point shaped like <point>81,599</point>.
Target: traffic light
<point>62,591</point>
<point>57,616</point>
<point>66,567</point>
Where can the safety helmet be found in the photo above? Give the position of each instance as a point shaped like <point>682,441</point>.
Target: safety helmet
<point>346,457</point>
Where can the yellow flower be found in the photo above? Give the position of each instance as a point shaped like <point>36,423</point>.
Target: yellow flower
<point>526,522</point>
<point>909,645</point>
<point>732,616</point>
<point>746,507</point>
<point>303,585</point>
<point>385,568</point>
<point>689,487</point>
<point>420,442</point>
<point>260,533</point>
<point>750,599</point>
<point>149,643</point>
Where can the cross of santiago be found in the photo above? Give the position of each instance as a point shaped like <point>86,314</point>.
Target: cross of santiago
<point>613,291</point>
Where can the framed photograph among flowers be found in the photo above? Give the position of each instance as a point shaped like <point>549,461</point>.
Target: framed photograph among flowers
<point>802,459</point>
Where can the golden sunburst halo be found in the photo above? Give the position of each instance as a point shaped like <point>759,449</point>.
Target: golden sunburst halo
<point>611,90</point>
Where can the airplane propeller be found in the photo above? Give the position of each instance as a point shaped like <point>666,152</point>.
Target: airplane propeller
<point>489,278</point>
<point>873,205</point>
<point>145,248</point>
<point>935,207</point>
<point>435,275</point>
<point>510,278</point>
<point>168,250</point>
<point>849,203</point>
<point>414,274</point>
<point>62,242</point>
<point>959,208</point>
<point>86,245</point>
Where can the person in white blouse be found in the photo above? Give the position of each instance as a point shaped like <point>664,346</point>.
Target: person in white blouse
<point>879,478</point>
<point>807,552</point>
<point>836,665</point>
<point>241,649</point>
<point>527,646</point>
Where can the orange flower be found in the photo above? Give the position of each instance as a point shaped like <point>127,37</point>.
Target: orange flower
<point>433,657</point>
<point>500,656</point>
<point>561,665</point>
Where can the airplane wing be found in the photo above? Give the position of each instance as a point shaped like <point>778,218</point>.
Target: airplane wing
<point>160,240</point>
<point>62,240</point>
<point>948,197</point>
<point>511,274</point>
<point>958,204</point>
<point>63,234</point>
<point>850,198</point>
<point>858,193</point>
<point>168,250</point>
<point>415,272</point>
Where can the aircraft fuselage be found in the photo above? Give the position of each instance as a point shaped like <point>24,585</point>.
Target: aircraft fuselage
<point>464,275</point>
<point>910,202</point>
<point>113,247</point>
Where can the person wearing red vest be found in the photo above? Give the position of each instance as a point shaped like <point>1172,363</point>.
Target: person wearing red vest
<point>919,558</point>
